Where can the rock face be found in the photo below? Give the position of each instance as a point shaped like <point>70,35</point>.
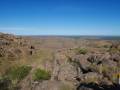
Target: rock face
<point>97,68</point>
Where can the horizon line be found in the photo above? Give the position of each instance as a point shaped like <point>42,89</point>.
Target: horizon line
<point>89,35</point>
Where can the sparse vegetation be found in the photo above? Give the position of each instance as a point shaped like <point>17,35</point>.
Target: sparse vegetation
<point>113,50</point>
<point>106,46</point>
<point>66,87</point>
<point>68,65</point>
<point>18,73</point>
<point>81,50</point>
<point>40,74</point>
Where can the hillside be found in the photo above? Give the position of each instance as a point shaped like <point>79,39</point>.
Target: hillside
<point>13,49</point>
<point>58,63</point>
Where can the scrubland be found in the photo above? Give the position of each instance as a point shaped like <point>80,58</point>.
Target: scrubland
<point>58,63</point>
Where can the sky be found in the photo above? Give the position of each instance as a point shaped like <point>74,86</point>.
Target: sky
<point>60,17</point>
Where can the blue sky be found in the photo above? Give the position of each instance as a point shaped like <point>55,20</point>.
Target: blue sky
<point>60,17</point>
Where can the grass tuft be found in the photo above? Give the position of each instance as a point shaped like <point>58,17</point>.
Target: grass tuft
<point>81,50</point>
<point>19,72</point>
<point>40,74</point>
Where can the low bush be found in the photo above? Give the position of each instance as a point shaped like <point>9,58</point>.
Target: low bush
<point>40,74</point>
<point>18,73</point>
<point>81,50</point>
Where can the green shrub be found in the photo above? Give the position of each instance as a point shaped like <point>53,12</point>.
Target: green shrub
<point>106,46</point>
<point>81,50</point>
<point>40,74</point>
<point>19,72</point>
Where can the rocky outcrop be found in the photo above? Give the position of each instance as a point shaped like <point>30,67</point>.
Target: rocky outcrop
<point>14,46</point>
<point>13,50</point>
<point>97,69</point>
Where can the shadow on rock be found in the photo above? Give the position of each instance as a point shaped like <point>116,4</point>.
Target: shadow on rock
<point>94,86</point>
